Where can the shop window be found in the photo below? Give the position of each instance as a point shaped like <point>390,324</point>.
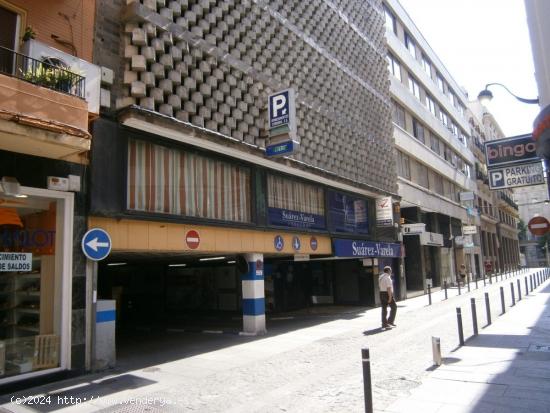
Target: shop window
<point>30,286</point>
<point>347,213</point>
<point>173,181</point>
<point>292,203</point>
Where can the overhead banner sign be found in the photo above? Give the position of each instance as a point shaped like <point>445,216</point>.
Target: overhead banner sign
<point>384,212</point>
<point>504,152</point>
<point>514,176</point>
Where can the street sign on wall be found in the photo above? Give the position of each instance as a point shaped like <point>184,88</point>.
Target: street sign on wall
<point>517,175</point>
<point>504,152</point>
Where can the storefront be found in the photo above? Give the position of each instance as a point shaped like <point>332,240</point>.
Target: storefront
<point>36,233</point>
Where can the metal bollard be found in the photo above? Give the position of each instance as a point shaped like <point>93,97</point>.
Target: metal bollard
<point>490,279</point>
<point>367,385</point>
<point>460,330</point>
<point>458,287</point>
<point>519,290</point>
<point>436,350</point>
<point>484,283</point>
<point>468,285</point>
<point>513,295</point>
<point>526,287</point>
<point>502,300</point>
<point>531,282</point>
<point>488,309</point>
<point>476,282</point>
<point>429,295</point>
<point>474,315</point>
<point>445,286</point>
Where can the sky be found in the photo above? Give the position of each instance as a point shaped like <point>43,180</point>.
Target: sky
<point>480,42</point>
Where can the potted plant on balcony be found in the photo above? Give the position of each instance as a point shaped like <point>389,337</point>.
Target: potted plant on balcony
<point>29,33</point>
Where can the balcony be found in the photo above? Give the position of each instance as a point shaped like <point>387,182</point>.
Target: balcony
<point>42,108</point>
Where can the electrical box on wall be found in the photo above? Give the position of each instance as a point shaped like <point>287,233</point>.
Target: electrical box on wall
<point>57,183</point>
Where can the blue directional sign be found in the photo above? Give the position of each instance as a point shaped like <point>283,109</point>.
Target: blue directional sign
<point>278,243</point>
<point>296,243</point>
<point>96,244</point>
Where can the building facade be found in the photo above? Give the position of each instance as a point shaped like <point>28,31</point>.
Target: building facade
<point>434,162</point>
<point>202,221</point>
<point>49,92</point>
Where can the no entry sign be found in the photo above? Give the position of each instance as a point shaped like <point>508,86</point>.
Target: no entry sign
<point>192,239</point>
<point>538,226</point>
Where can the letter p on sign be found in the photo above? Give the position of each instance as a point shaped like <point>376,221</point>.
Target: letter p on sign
<point>279,104</point>
<point>497,179</point>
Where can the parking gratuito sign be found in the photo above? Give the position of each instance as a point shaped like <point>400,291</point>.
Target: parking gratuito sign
<point>516,175</point>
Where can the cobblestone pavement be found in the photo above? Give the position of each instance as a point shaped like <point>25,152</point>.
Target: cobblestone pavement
<point>316,368</point>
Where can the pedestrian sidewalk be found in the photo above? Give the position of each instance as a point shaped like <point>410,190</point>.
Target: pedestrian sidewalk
<point>506,368</point>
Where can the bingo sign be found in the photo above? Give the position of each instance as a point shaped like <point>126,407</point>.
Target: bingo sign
<point>192,239</point>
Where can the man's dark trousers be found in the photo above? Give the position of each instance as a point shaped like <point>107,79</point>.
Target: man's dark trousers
<point>384,298</point>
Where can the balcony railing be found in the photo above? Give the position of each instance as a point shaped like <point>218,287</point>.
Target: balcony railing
<point>41,73</point>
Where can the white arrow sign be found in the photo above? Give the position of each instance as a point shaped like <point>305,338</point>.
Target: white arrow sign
<point>94,244</point>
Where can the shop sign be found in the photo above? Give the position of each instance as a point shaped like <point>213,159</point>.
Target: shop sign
<point>347,213</point>
<point>295,219</point>
<point>38,238</point>
<point>15,261</point>
<point>360,249</point>
<point>432,239</point>
<point>384,212</point>
<point>509,151</point>
<point>466,196</point>
<point>516,175</point>
<point>414,229</point>
<point>469,230</point>
<point>301,257</point>
<point>465,241</point>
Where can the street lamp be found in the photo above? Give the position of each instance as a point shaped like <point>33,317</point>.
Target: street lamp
<point>485,95</point>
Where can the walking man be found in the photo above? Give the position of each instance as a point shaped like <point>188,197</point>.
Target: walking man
<point>386,298</point>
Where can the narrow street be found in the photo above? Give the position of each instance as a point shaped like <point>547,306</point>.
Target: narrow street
<point>316,368</point>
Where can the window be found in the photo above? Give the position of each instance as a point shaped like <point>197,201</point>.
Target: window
<point>394,66</point>
<point>418,130</point>
<point>410,45</point>
<point>423,175</point>
<point>398,114</point>
<point>427,65</point>
<point>459,164</point>
<point>448,154</point>
<point>452,98</point>
<point>440,83</point>
<point>430,104</point>
<point>413,87</point>
<point>173,181</point>
<point>391,23</point>
<point>9,20</point>
<point>434,144</point>
<point>403,165</point>
<point>454,129</point>
<point>438,184</point>
<point>292,203</point>
<point>444,117</point>
<point>461,109</point>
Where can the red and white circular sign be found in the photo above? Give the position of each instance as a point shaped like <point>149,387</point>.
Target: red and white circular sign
<point>538,226</point>
<point>192,239</point>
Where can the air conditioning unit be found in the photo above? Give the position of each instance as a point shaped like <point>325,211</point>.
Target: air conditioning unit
<point>40,51</point>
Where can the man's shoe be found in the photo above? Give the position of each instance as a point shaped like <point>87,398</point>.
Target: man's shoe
<point>386,327</point>
<point>392,324</point>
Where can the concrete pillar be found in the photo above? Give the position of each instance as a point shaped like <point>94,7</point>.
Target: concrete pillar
<point>253,296</point>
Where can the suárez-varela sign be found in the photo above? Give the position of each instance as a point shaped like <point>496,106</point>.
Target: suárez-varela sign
<point>518,149</point>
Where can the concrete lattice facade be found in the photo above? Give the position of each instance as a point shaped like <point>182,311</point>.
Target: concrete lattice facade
<point>213,63</point>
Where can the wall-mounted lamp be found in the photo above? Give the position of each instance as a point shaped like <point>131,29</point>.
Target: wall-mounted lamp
<point>11,187</point>
<point>485,96</point>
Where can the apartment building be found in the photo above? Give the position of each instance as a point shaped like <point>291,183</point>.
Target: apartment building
<point>49,92</point>
<point>434,161</point>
